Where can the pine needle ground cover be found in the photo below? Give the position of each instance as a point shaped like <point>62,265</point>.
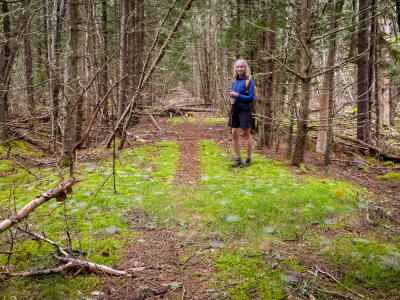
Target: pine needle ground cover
<point>246,216</point>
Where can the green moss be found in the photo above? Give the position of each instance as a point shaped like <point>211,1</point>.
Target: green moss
<point>366,170</point>
<point>372,160</point>
<point>294,265</point>
<point>19,147</point>
<point>391,176</point>
<point>215,120</point>
<point>6,165</point>
<point>143,179</point>
<point>388,163</point>
<point>50,287</point>
<point>176,120</point>
<point>303,167</point>
<point>375,263</point>
<point>353,112</point>
<point>250,277</point>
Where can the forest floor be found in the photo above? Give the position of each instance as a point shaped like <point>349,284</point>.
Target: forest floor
<point>188,226</point>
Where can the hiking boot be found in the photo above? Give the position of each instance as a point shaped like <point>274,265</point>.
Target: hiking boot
<point>237,164</point>
<point>247,164</point>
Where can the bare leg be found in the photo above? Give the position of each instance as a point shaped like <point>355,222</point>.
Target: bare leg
<point>247,141</point>
<point>235,141</point>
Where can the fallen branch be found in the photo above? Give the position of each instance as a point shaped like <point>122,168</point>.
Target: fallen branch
<point>40,237</point>
<point>371,147</point>
<point>25,135</point>
<point>155,122</point>
<point>42,272</point>
<point>93,266</point>
<point>337,281</point>
<point>58,192</point>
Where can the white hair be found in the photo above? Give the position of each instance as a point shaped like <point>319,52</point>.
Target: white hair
<point>247,71</point>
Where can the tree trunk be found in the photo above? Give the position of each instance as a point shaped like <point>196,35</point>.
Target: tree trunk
<point>333,45</point>
<point>324,111</point>
<point>270,43</point>
<point>292,115</point>
<point>103,60</point>
<point>58,12</point>
<point>385,78</point>
<point>122,60</point>
<point>304,9</point>
<point>5,64</point>
<point>363,109</point>
<point>28,58</point>
<point>71,81</point>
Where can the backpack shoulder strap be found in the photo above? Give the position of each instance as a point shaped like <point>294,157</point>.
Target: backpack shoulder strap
<point>247,83</point>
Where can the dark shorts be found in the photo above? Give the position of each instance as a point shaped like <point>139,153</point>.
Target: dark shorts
<point>240,117</point>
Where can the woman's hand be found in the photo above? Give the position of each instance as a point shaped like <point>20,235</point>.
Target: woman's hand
<point>233,94</point>
<point>232,101</point>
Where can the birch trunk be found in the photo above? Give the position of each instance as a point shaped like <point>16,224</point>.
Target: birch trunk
<point>385,79</point>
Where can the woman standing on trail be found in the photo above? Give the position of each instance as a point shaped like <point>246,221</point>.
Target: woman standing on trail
<point>241,99</point>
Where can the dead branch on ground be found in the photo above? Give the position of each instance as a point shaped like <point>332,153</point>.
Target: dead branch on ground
<point>59,192</point>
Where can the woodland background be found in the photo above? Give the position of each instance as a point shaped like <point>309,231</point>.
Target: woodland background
<point>80,77</point>
<point>69,66</point>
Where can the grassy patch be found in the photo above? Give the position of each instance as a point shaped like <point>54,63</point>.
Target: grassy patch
<point>391,176</point>
<point>19,147</point>
<point>265,199</point>
<point>375,263</point>
<point>215,120</point>
<point>176,120</point>
<point>247,277</point>
<point>143,179</point>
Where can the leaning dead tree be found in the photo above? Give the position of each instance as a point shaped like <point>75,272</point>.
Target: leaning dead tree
<point>127,115</point>
<point>59,192</point>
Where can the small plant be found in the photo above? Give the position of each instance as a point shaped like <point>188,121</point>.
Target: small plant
<point>391,176</point>
<point>303,167</point>
<point>388,163</point>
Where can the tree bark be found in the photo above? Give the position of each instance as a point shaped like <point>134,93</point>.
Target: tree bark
<point>28,58</point>
<point>71,80</point>
<point>58,192</point>
<point>363,109</point>
<point>5,65</point>
<point>57,15</point>
<point>385,78</point>
<point>270,44</point>
<point>304,9</point>
<point>103,59</point>
<point>122,60</point>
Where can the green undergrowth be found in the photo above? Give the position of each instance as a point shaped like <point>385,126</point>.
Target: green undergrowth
<point>365,260</point>
<point>391,176</point>
<point>19,147</point>
<point>265,199</point>
<point>247,276</point>
<point>215,120</point>
<point>244,208</point>
<point>143,179</point>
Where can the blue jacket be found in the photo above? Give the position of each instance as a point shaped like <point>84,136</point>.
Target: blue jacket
<point>244,99</point>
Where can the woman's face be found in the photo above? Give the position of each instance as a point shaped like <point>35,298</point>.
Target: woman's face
<point>240,69</point>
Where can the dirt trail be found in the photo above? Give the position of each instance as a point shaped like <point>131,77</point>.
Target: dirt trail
<point>172,270</point>
<point>175,265</point>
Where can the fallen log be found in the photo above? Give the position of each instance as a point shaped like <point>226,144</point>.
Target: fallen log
<point>93,266</point>
<point>26,136</point>
<point>42,272</point>
<point>59,192</point>
<point>370,147</point>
